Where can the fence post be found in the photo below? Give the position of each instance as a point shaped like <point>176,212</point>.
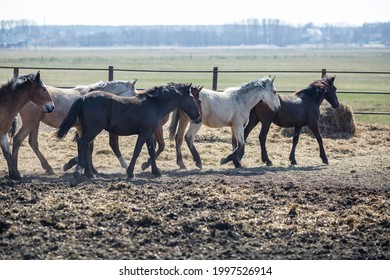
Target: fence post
<point>110,73</point>
<point>16,71</point>
<point>215,78</point>
<point>323,73</point>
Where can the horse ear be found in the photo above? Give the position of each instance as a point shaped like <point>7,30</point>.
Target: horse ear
<point>133,82</point>
<point>38,77</point>
<point>200,88</point>
<point>273,79</point>
<point>189,85</point>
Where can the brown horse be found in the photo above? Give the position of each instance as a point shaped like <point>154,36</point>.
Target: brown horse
<point>13,96</point>
<point>140,115</point>
<point>298,110</point>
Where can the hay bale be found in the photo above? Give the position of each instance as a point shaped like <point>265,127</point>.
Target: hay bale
<point>334,123</point>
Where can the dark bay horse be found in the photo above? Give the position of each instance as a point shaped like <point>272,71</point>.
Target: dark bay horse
<point>298,110</point>
<point>158,136</point>
<point>32,115</point>
<point>121,116</point>
<point>13,96</point>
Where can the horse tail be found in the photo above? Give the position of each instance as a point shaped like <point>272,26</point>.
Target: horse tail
<point>70,119</point>
<point>12,130</point>
<point>173,124</point>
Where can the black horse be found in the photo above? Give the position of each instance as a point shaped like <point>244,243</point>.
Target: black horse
<point>140,114</point>
<point>298,110</point>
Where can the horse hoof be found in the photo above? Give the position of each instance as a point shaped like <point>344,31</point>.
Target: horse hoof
<point>50,172</point>
<point>66,167</point>
<point>294,162</point>
<point>325,161</point>
<point>157,175</point>
<point>269,163</point>
<point>224,161</point>
<point>181,165</point>
<point>199,165</point>
<point>145,165</point>
<point>78,177</point>
<point>16,177</point>
<point>238,165</point>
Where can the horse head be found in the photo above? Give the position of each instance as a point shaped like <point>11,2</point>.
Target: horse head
<point>37,92</point>
<point>130,90</point>
<point>195,91</point>
<point>330,91</point>
<point>271,97</point>
<point>188,102</point>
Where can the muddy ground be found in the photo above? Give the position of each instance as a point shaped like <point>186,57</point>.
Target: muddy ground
<point>308,211</point>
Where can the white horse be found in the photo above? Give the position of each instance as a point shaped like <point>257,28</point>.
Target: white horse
<point>32,115</point>
<point>220,109</point>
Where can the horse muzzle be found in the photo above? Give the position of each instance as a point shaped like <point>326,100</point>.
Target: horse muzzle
<point>198,120</point>
<point>49,107</point>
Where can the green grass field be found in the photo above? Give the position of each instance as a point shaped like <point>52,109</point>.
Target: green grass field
<point>263,60</point>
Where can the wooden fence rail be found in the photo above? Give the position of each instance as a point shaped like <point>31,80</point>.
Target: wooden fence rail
<point>215,72</point>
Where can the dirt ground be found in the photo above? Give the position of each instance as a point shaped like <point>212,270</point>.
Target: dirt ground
<point>308,211</point>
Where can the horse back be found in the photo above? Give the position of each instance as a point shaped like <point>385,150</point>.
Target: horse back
<point>116,114</point>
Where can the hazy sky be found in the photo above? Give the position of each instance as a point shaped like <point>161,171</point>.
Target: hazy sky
<point>166,12</point>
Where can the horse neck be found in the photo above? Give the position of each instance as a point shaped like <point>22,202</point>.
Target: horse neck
<point>313,99</point>
<point>250,99</point>
<point>165,106</point>
<point>17,102</point>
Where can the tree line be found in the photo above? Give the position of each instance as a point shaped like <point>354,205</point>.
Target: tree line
<point>20,33</point>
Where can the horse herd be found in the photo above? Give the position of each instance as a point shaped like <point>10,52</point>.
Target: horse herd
<point>120,109</point>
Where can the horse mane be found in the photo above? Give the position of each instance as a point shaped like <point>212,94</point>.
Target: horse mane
<point>167,91</point>
<point>96,86</point>
<point>248,86</point>
<point>16,83</point>
<point>316,88</point>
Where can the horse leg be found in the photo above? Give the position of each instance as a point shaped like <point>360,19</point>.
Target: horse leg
<point>263,138</point>
<point>152,153</point>
<point>317,134</point>
<point>12,168</point>
<point>91,169</point>
<point>179,141</point>
<point>73,161</point>
<point>238,131</point>
<point>115,148</point>
<point>17,142</point>
<point>252,122</point>
<point>234,141</point>
<point>83,150</point>
<point>158,136</point>
<point>297,131</point>
<point>33,141</point>
<point>142,137</point>
<point>190,137</point>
